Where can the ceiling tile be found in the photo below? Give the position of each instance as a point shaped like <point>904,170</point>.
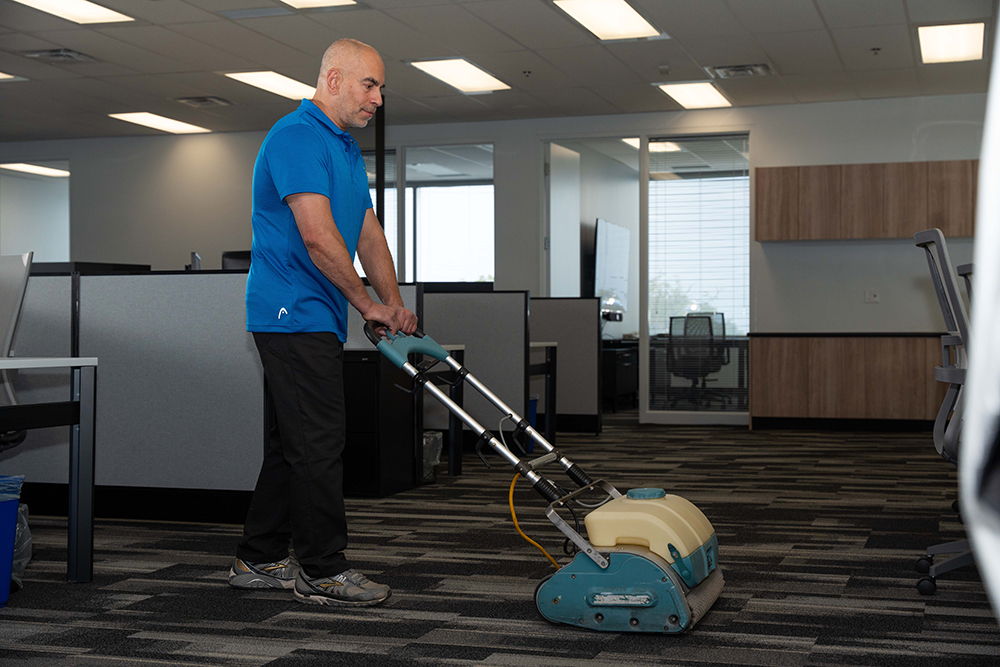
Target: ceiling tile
<point>854,13</point>
<point>895,44</point>
<point>230,5</point>
<point>246,43</point>
<point>510,67</point>
<point>683,18</point>
<point>954,78</point>
<point>636,98</point>
<point>117,96</point>
<point>589,65</point>
<point>536,25</point>
<point>390,37</point>
<point>455,27</point>
<point>112,50</point>
<point>462,107</point>
<point>160,12</point>
<point>581,102</point>
<point>776,15</point>
<point>29,68</point>
<point>800,52</point>
<point>96,69</point>
<point>156,85</point>
<point>15,42</point>
<point>947,11</point>
<point>755,91</point>
<point>516,102</point>
<point>646,57</point>
<point>886,83</point>
<point>296,31</point>
<point>825,87</point>
<point>729,50</point>
<point>174,45</point>
<point>400,111</point>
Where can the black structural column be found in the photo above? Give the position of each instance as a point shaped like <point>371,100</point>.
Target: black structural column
<point>380,162</point>
<point>80,559</point>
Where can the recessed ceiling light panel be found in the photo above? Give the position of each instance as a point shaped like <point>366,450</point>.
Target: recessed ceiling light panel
<point>35,169</point>
<point>313,4</point>
<point>460,73</point>
<point>655,146</point>
<point>702,95</point>
<point>159,122</point>
<point>9,78</point>
<point>78,11</point>
<point>951,43</point>
<point>273,82</point>
<point>608,19</point>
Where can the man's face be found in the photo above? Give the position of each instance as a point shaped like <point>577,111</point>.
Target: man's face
<point>360,90</point>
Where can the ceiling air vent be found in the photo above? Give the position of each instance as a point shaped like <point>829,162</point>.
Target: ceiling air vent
<point>739,71</point>
<point>204,102</point>
<point>57,56</point>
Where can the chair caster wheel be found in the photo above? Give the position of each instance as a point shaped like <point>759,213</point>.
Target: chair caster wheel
<point>926,586</point>
<point>924,565</point>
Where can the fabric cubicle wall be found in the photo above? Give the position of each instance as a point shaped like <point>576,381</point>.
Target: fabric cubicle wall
<point>44,330</point>
<point>575,324</point>
<point>493,327</point>
<point>180,387</point>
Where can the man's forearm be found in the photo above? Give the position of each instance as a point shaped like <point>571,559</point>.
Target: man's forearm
<point>334,262</point>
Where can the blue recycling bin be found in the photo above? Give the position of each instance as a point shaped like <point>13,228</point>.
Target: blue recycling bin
<point>10,493</point>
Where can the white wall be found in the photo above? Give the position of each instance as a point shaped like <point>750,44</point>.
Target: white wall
<point>610,191</point>
<point>34,216</point>
<point>155,199</point>
<point>564,221</point>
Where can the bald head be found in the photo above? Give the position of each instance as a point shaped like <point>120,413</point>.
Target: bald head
<point>344,53</point>
<point>350,81</point>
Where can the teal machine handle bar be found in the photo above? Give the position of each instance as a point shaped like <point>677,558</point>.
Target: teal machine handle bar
<point>397,347</point>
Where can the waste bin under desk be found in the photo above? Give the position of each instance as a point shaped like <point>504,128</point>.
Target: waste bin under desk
<point>380,457</point>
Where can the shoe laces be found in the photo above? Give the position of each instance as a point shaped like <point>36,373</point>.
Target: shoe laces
<point>352,576</point>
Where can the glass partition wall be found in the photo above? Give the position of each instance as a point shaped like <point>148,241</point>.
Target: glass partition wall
<point>696,306</point>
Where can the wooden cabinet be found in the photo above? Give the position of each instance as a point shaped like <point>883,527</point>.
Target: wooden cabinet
<point>905,199</point>
<point>779,377</point>
<point>861,201</point>
<point>819,202</point>
<point>845,377</point>
<point>950,195</point>
<point>777,203</point>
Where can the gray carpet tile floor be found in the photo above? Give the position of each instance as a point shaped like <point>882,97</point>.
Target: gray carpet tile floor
<point>818,534</point>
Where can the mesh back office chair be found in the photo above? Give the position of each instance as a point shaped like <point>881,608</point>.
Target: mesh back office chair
<point>14,270</point>
<point>948,424</point>
<point>965,271</point>
<point>236,259</point>
<point>696,349</point>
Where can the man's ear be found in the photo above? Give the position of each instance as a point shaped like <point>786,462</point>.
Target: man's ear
<point>333,80</point>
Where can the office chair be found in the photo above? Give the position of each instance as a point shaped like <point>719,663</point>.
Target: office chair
<point>236,259</point>
<point>697,349</point>
<point>965,271</point>
<point>954,362</point>
<point>14,270</point>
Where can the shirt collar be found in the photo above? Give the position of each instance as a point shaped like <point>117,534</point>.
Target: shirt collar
<point>310,108</point>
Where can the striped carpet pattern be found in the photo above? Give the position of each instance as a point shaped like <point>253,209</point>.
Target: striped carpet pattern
<point>818,534</point>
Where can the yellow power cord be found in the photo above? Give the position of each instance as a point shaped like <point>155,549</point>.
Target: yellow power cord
<point>521,532</point>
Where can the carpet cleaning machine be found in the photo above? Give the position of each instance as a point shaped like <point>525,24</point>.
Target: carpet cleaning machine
<point>650,559</point>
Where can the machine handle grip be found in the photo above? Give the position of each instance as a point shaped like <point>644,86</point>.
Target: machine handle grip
<point>396,347</point>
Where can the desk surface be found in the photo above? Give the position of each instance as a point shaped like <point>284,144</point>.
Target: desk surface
<point>22,363</point>
<point>540,344</point>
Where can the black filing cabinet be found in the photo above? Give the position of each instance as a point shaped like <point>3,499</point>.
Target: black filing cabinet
<point>620,369</point>
<point>380,457</point>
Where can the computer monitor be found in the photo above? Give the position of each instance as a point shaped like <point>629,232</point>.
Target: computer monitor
<point>195,264</point>
<point>236,260</point>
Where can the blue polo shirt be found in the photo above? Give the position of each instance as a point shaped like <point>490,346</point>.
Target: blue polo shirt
<point>304,152</point>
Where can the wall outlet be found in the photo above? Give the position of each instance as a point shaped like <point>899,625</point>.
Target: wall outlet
<point>872,295</point>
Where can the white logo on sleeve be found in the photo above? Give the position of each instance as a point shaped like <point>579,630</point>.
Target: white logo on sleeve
<point>282,312</point>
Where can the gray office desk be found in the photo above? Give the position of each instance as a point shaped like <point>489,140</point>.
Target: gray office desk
<point>79,413</point>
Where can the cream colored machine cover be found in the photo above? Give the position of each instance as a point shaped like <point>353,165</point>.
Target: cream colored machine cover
<point>652,523</point>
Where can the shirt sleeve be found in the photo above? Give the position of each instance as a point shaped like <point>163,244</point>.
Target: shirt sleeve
<point>298,161</point>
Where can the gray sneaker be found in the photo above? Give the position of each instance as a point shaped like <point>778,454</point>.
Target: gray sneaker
<point>349,588</point>
<point>263,575</point>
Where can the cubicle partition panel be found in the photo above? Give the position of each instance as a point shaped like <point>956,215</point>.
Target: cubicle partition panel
<point>575,325</point>
<point>180,386</point>
<point>44,330</point>
<point>493,327</point>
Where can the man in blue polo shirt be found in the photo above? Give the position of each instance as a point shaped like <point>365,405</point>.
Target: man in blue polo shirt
<point>311,213</point>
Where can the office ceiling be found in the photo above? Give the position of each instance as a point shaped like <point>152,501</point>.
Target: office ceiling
<point>820,50</point>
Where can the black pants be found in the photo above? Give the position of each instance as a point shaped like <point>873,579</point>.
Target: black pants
<point>299,495</point>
